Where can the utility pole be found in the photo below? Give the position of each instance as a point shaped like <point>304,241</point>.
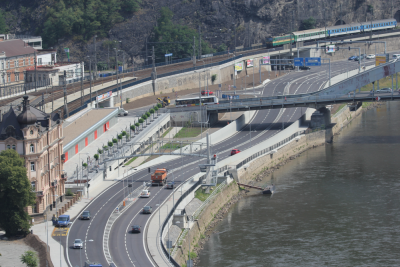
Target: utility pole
<point>154,73</point>
<point>95,58</point>
<point>66,112</point>
<point>120,83</point>
<point>35,70</point>
<point>194,51</point>
<point>108,57</point>
<point>291,30</point>
<point>147,60</point>
<point>116,65</point>
<point>82,65</point>
<point>90,74</point>
<point>199,41</point>
<point>235,37</point>
<point>340,13</point>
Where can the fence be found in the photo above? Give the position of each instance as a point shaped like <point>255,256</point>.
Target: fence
<point>10,90</point>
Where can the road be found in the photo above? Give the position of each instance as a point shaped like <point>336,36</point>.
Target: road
<point>130,249</point>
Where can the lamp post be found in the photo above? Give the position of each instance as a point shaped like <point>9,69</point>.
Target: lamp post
<point>77,173</point>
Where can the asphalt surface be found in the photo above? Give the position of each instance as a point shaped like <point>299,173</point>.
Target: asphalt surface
<point>129,249</point>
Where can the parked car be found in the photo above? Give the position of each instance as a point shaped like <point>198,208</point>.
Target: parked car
<point>145,193</point>
<point>63,220</point>
<point>371,56</point>
<point>352,58</point>
<point>205,92</point>
<point>235,151</point>
<point>122,112</point>
<point>85,215</point>
<point>304,68</point>
<point>360,57</point>
<point>136,229</point>
<point>170,185</point>
<point>384,90</point>
<point>147,209</point>
<point>78,243</point>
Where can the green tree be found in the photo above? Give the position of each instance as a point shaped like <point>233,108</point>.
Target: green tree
<point>222,48</point>
<point>3,25</point>
<point>308,24</point>
<point>29,258</point>
<point>167,31</point>
<point>131,6</point>
<point>15,193</point>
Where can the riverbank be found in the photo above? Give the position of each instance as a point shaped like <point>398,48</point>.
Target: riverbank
<point>258,172</point>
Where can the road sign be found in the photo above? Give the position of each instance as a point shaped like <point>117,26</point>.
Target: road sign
<point>313,61</point>
<point>168,55</point>
<point>298,61</point>
<point>381,59</point>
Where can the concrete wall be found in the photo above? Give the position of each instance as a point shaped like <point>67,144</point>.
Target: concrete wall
<point>207,216</point>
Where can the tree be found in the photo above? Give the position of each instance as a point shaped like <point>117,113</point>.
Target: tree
<point>167,31</point>
<point>29,258</point>
<point>222,48</point>
<point>3,25</point>
<point>96,156</point>
<point>15,193</point>
<point>308,24</point>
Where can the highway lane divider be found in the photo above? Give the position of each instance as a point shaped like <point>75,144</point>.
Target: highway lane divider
<point>121,208</point>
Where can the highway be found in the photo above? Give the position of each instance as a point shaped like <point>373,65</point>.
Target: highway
<point>129,249</point>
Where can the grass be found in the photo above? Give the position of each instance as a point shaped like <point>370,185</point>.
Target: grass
<point>385,82</point>
<point>166,132</point>
<point>366,104</point>
<point>172,146</point>
<point>201,195</point>
<point>340,107</point>
<point>130,161</point>
<point>188,132</point>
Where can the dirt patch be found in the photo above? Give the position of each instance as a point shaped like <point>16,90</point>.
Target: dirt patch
<point>40,247</point>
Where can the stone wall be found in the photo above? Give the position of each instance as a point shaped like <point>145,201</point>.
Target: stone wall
<point>205,219</point>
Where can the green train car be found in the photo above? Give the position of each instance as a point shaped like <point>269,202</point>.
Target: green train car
<point>279,40</point>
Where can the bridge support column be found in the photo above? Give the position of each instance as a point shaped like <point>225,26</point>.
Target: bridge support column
<point>321,118</point>
<point>213,117</point>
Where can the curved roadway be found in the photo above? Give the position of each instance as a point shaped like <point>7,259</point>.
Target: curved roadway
<point>130,249</point>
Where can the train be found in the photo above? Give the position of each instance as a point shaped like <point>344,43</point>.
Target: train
<point>333,31</point>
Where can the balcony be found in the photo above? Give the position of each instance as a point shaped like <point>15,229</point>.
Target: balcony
<point>39,193</point>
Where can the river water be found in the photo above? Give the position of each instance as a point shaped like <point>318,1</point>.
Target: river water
<point>336,205</point>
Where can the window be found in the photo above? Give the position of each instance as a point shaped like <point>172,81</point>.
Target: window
<point>2,65</point>
<point>8,64</point>
<point>23,62</point>
<point>39,61</point>
<point>33,186</point>
<point>9,78</point>
<point>16,76</point>
<point>13,147</point>
<point>32,166</point>
<point>8,147</point>
<point>32,148</point>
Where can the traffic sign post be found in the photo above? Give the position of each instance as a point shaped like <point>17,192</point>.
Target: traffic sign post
<point>168,58</point>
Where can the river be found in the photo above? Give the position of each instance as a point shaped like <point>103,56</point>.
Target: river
<point>336,205</point>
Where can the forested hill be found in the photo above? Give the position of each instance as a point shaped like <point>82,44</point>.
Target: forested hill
<point>74,23</point>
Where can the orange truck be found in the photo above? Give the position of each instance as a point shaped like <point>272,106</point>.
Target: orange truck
<point>159,177</point>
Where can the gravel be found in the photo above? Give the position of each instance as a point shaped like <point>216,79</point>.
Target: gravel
<point>11,251</point>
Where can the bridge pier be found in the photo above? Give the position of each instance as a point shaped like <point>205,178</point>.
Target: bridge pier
<point>321,118</point>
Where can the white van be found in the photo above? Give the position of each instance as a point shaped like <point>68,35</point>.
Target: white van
<point>396,56</point>
<point>122,112</point>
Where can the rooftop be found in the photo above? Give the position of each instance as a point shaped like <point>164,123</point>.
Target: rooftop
<point>15,47</point>
<point>83,123</point>
<point>51,67</point>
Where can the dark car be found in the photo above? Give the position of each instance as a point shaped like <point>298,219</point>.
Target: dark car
<point>304,68</point>
<point>147,209</point>
<point>136,229</point>
<point>170,185</point>
<point>235,151</point>
<point>352,58</point>
<point>85,215</point>
<point>205,92</point>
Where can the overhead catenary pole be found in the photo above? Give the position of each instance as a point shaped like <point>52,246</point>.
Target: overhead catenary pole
<point>199,41</point>
<point>108,57</point>
<point>35,60</point>
<point>194,51</point>
<point>95,58</point>
<point>66,112</point>
<point>82,93</point>
<point>90,78</point>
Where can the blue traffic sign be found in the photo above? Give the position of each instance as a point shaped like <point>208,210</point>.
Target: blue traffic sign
<point>298,61</point>
<point>313,61</point>
<point>168,55</point>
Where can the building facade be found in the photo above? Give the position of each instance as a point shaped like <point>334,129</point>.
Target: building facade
<point>17,56</point>
<point>38,138</point>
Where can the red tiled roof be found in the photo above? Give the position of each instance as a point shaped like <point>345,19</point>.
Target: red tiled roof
<point>16,47</point>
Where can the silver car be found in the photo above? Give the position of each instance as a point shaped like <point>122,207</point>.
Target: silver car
<point>78,243</point>
<point>384,90</point>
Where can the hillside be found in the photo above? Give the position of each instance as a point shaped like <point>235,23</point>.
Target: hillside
<point>73,23</point>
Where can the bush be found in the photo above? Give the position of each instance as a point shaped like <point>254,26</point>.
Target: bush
<point>152,111</point>
<point>105,147</point>
<point>100,151</point>
<point>96,156</point>
<point>141,120</point>
<point>127,100</point>
<point>144,116</point>
<point>148,114</point>
<point>84,164</point>
<point>110,144</point>
<point>213,78</point>
<point>115,140</point>
<point>155,108</point>
<point>133,127</point>
<point>123,133</point>
<point>120,136</point>
<point>159,105</point>
<point>69,193</point>
<point>137,124</point>
<point>30,259</point>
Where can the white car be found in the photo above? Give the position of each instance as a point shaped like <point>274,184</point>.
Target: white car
<point>78,243</point>
<point>145,193</point>
<point>122,112</point>
<point>384,90</point>
<point>370,56</point>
